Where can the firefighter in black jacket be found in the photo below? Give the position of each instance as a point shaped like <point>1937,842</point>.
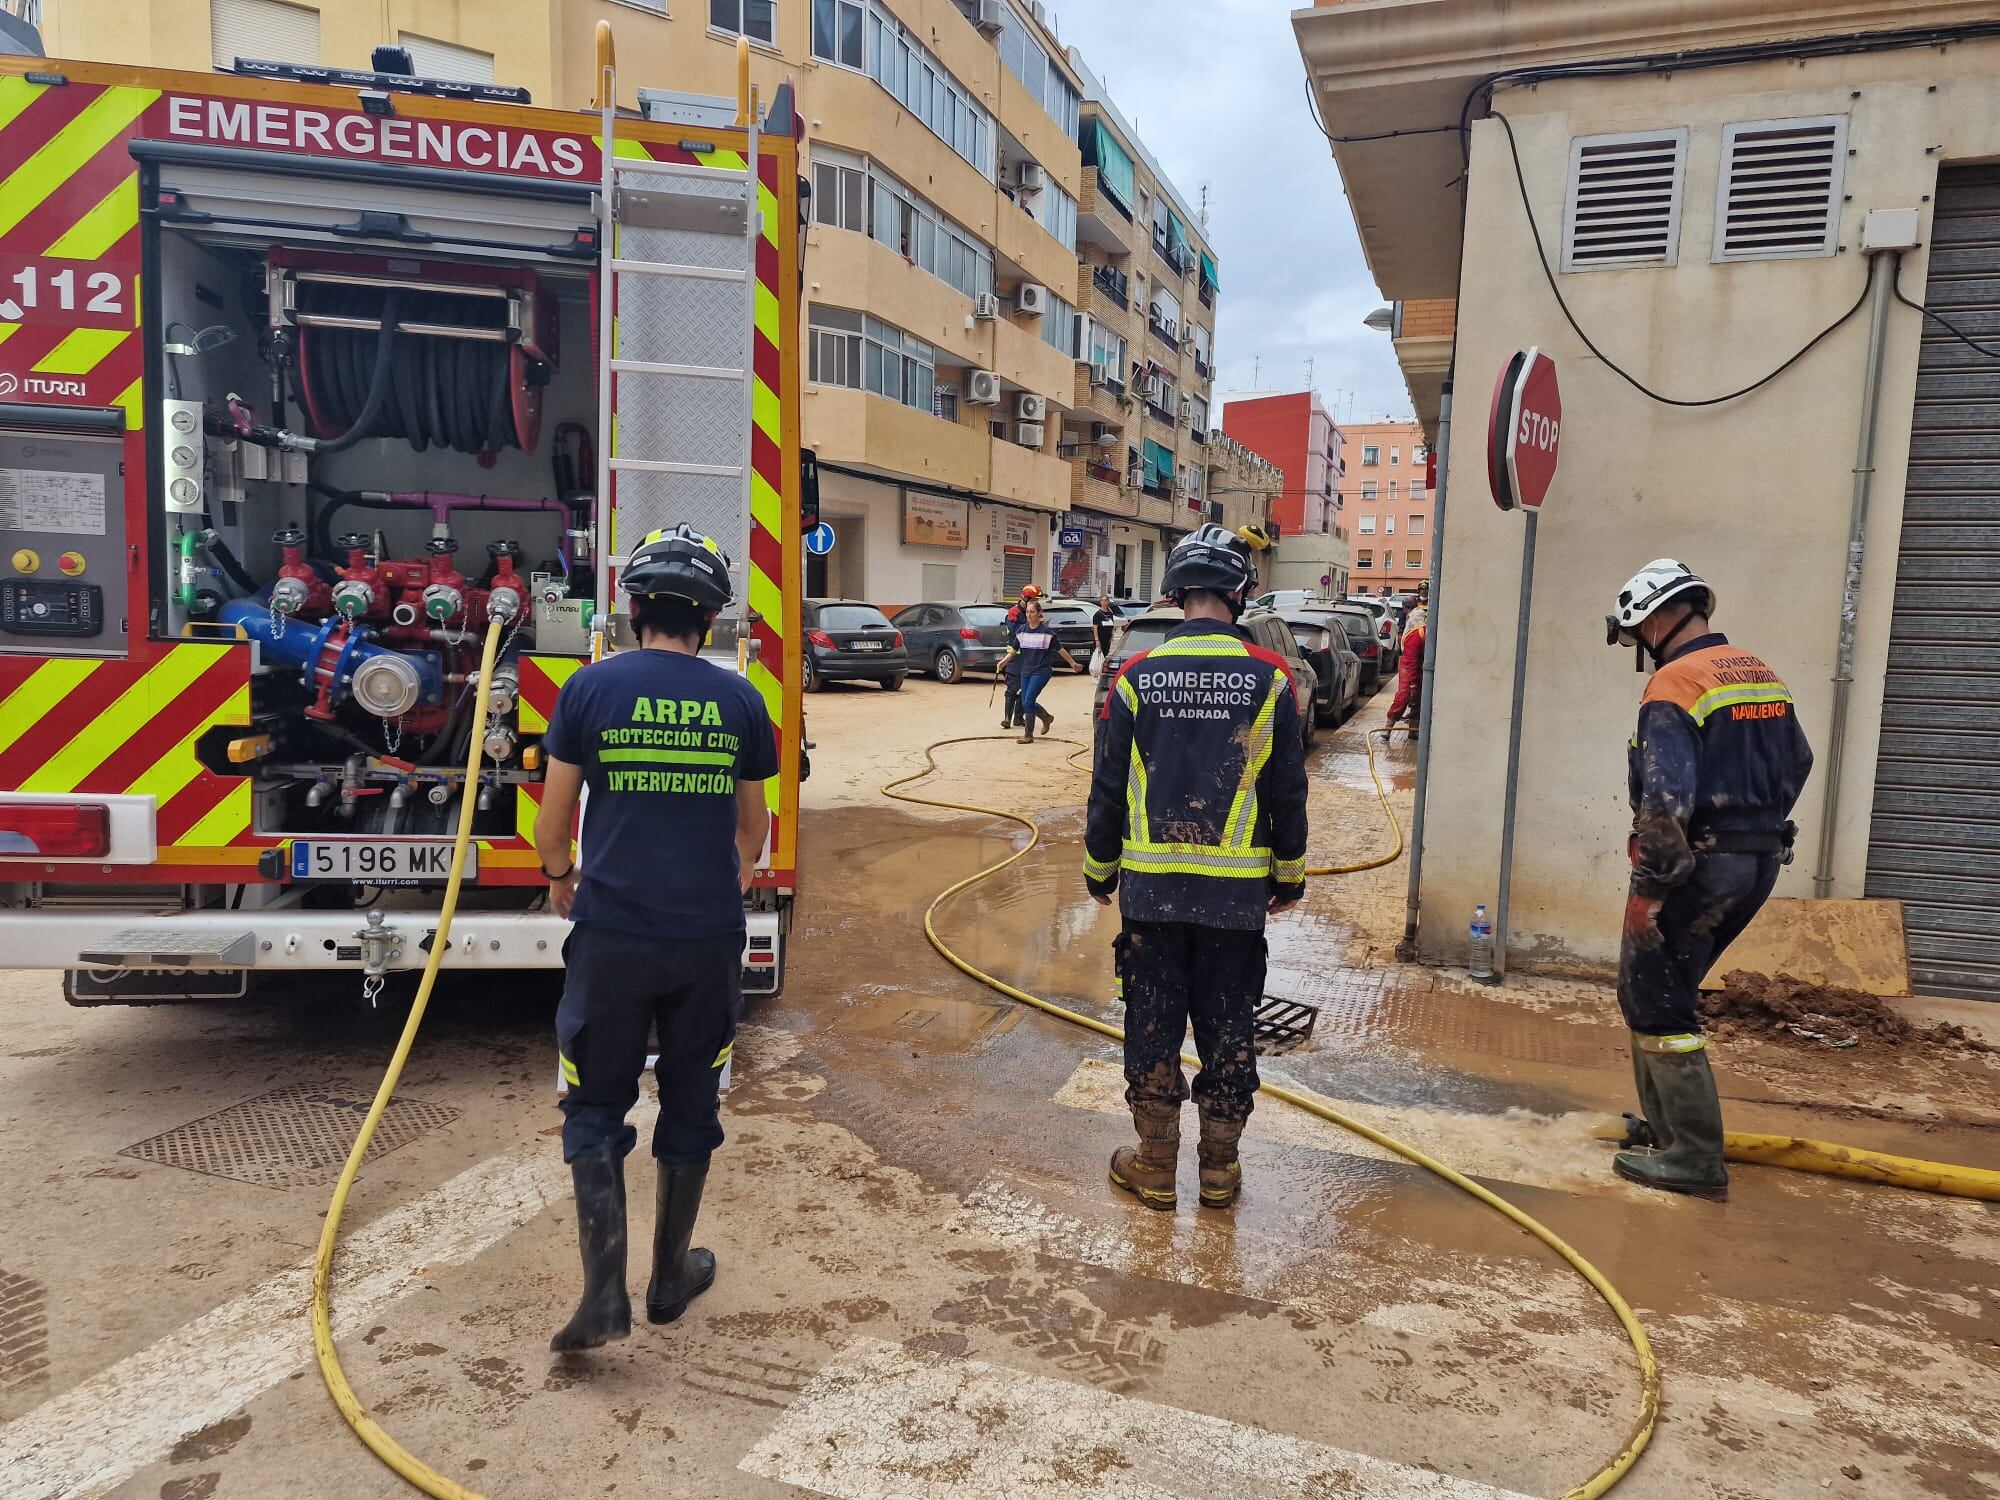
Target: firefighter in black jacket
<point>1714,769</point>
<point>1198,821</point>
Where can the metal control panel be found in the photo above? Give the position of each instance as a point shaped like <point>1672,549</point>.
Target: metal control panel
<point>62,542</point>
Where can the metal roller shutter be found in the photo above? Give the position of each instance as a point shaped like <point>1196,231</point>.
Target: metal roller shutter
<point>269,30</point>
<point>1935,841</point>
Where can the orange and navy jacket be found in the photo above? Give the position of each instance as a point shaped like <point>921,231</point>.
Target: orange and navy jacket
<point>1719,748</point>
<point>1198,801</point>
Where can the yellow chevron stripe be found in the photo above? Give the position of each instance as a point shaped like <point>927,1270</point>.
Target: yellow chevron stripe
<point>132,398</point>
<point>128,715</point>
<point>762,679</point>
<point>525,810</point>
<point>16,94</point>
<point>766,598</point>
<point>766,505</point>
<point>43,689</point>
<point>764,409</point>
<point>102,121</point>
<point>115,216</point>
<point>769,323</point>
<point>81,351</point>
<point>178,766</point>
<point>8,330</point>
<point>767,205</point>
<point>224,821</point>
<point>559,670</point>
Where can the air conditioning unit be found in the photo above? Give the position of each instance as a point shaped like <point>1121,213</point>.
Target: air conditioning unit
<point>1030,176</point>
<point>1135,477</point>
<point>1187,408</point>
<point>990,16</point>
<point>1155,389</point>
<point>986,307</point>
<point>982,388</point>
<point>1032,298</point>
<point>1031,434</point>
<point>1031,408</point>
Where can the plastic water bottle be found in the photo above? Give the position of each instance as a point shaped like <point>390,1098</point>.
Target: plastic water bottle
<point>1479,949</point>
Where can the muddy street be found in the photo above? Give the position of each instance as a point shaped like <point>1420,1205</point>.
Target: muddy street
<point>926,1287</point>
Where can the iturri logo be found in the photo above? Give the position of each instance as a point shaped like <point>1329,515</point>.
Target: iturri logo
<point>41,385</point>
<point>9,382</point>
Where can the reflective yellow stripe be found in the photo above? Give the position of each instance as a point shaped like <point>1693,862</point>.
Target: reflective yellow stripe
<point>569,1070</point>
<point>102,121</point>
<point>1098,869</point>
<point>128,715</point>
<point>16,94</point>
<point>132,399</point>
<point>178,766</point>
<point>45,687</point>
<point>1128,693</point>
<point>558,670</point>
<point>765,411</point>
<point>1729,697</point>
<point>115,216</point>
<point>768,322</point>
<point>1200,645</point>
<point>1289,871</point>
<point>1197,859</point>
<point>1243,810</point>
<point>223,822</point>
<point>1685,1041</point>
<point>1137,823</point>
<point>82,351</point>
<point>723,1056</point>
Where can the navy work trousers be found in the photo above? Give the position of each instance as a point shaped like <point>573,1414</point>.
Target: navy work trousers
<point>1670,941</point>
<point>618,987</point>
<point>1174,973</point>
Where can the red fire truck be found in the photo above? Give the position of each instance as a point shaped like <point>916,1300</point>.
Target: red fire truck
<point>306,376</point>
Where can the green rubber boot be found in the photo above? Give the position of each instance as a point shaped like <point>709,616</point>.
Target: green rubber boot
<point>1686,1113</point>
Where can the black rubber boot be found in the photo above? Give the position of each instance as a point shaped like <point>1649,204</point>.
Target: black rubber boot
<point>1688,1115</point>
<point>679,1274</point>
<point>1048,719</point>
<point>1648,1128</point>
<point>605,1313</point>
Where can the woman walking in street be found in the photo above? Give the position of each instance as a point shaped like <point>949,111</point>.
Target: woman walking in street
<point>1038,649</point>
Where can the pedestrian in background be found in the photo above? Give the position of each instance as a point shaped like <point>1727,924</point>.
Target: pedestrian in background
<point>1103,626</point>
<point>1010,667</point>
<point>1410,670</point>
<point>1036,648</point>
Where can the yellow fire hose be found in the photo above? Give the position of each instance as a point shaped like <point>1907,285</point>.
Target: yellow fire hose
<point>1649,1370</point>
<point>1869,1166</point>
<point>386,1448</point>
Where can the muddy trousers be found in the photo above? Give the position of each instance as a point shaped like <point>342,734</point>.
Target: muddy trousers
<point>617,988</point>
<point>1174,973</point>
<point>1670,941</point>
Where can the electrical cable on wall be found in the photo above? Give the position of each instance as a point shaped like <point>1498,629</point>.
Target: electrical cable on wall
<point>1946,324</point>
<point>1548,272</point>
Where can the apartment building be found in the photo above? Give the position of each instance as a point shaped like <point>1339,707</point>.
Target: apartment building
<point>1139,428</point>
<point>1294,431</point>
<point>946,346</point>
<point>1386,499</point>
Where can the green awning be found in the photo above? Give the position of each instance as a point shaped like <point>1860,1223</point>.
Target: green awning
<point>1180,231</point>
<point>1159,463</point>
<point>1208,271</point>
<point>1115,172</point>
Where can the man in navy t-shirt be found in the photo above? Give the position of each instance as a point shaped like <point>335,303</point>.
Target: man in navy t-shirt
<point>675,751</point>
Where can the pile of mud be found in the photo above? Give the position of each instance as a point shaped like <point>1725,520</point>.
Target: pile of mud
<point>1782,1008</point>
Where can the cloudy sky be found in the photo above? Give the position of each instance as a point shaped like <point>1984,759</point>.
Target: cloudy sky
<point>1217,90</point>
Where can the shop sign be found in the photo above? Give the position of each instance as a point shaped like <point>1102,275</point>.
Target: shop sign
<point>1018,536</point>
<point>932,521</point>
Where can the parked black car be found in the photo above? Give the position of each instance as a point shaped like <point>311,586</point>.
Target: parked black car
<point>946,641</point>
<point>1323,642</point>
<point>1363,634</point>
<point>849,641</point>
<point>1070,619</point>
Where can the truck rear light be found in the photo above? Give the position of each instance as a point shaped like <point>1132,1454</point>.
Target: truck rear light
<point>65,830</point>
<point>821,639</point>
<point>967,633</point>
<point>898,642</point>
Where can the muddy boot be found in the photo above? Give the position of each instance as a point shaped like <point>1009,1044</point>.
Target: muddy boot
<point>1688,1115</point>
<point>1646,1130</point>
<point>1221,1176</point>
<point>1147,1170</point>
<point>1048,719</point>
<point>679,1274</point>
<point>605,1313</point>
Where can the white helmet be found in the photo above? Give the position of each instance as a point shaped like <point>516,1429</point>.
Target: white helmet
<point>1660,581</point>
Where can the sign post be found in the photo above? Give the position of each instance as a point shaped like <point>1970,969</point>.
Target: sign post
<point>1522,447</point>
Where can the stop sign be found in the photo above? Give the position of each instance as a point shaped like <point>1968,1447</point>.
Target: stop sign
<point>1525,436</point>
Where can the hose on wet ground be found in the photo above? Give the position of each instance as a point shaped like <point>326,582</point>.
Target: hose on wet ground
<point>1649,1371</point>
<point>385,1447</point>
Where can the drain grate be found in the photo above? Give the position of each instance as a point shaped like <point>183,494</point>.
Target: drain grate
<point>24,1330</point>
<point>296,1136</point>
<point>1284,1024</point>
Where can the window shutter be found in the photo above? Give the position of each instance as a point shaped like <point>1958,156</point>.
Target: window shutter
<point>1778,192</point>
<point>268,30</point>
<point>434,59</point>
<point>1623,207</point>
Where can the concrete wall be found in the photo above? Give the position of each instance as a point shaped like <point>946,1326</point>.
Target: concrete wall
<point>1754,494</point>
<point>869,561</point>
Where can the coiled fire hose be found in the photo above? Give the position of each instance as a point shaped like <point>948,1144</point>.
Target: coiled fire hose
<point>371,1432</point>
<point>1649,1371</point>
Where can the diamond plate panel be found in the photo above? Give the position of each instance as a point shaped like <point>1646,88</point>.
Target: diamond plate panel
<point>676,419</point>
<point>714,507</point>
<point>682,320</point>
<point>296,1136</point>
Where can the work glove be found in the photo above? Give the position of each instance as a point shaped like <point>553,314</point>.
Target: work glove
<point>1661,858</point>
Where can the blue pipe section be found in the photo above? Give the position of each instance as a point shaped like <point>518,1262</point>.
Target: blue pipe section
<point>300,643</point>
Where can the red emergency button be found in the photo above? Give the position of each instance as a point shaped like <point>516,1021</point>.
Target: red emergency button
<point>72,564</point>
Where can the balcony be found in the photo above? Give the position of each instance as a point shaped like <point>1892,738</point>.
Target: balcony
<point>870,432</point>
<point>1164,331</point>
<point>1105,402</point>
<point>1028,477</point>
<point>1100,487</point>
<point>1207,292</point>
<point>1114,284</point>
<point>1101,219</point>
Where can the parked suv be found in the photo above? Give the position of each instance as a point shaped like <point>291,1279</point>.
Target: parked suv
<point>1364,635</point>
<point>1323,642</point>
<point>1388,626</point>
<point>849,641</point>
<point>946,641</point>
<point>1264,629</point>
